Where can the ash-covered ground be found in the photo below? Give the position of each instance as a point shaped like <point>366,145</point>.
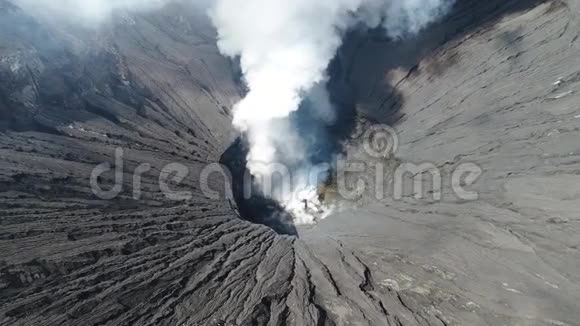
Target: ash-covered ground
<point>495,83</point>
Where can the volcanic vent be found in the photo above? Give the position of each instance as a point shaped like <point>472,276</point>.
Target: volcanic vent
<point>325,143</point>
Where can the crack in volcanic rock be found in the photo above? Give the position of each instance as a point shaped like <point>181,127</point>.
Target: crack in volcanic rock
<point>495,83</point>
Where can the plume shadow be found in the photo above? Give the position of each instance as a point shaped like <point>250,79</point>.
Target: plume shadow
<point>369,56</point>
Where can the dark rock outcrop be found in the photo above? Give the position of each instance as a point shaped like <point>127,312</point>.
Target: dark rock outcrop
<point>495,84</point>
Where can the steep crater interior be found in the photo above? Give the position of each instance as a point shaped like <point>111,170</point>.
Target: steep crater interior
<point>69,258</point>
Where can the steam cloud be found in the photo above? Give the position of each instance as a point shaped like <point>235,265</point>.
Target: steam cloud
<point>285,47</point>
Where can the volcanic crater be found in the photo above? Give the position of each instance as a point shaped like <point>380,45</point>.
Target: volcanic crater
<point>495,83</point>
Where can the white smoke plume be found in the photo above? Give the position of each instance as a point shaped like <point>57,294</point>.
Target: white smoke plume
<point>285,47</point>
<point>401,18</point>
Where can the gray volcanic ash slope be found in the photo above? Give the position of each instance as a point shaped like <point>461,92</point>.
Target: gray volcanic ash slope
<point>495,83</point>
